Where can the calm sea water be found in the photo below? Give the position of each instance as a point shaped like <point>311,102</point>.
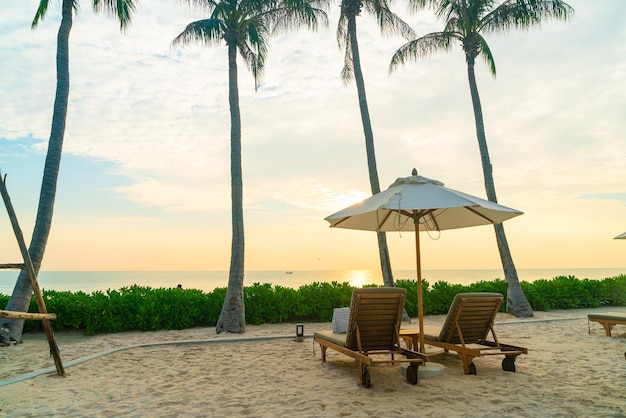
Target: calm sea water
<point>89,281</point>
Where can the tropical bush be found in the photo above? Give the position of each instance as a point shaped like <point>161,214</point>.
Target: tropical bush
<point>137,308</point>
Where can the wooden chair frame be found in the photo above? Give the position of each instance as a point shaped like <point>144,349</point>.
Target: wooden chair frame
<point>466,331</point>
<point>373,330</point>
<point>607,319</point>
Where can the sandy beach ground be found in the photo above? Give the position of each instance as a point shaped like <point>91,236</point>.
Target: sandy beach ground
<point>567,373</point>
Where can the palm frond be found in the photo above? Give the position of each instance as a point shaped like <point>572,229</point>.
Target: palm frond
<point>253,46</point>
<point>253,62</point>
<point>247,24</point>
<point>292,14</point>
<point>389,23</point>
<point>257,34</point>
<point>123,10</point>
<point>41,13</point>
<point>447,9</point>
<point>206,31</point>
<point>43,8</point>
<point>415,6</point>
<point>422,47</point>
<point>487,56</point>
<point>242,10</point>
<point>524,14</point>
<point>200,4</point>
<point>342,31</point>
<point>347,72</point>
<point>454,25</point>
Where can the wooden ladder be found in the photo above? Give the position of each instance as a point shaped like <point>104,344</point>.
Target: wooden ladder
<point>43,314</point>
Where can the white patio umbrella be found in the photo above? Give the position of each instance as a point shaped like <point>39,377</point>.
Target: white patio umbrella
<point>621,236</point>
<point>418,204</point>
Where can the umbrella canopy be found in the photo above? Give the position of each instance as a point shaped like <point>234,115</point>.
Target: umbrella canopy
<point>417,203</point>
<point>621,236</point>
<point>438,207</point>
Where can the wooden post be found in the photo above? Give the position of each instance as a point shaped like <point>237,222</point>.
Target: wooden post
<point>26,315</point>
<point>420,297</point>
<point>28,265</point>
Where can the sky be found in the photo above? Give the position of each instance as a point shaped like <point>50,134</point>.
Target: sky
<point>145,176</point>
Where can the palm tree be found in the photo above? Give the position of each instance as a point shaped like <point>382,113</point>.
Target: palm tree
<point>244,25</point>
<point>347,36</point>
<point>11,329</point>
<point>466,21</point>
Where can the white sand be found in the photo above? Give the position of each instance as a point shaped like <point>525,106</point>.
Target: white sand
<point>567,373</point>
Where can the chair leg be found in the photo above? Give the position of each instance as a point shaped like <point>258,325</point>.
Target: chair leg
<point>364,375</point>
<point>468,365</point>
<point>323,350</point>
<point>408,341</point>
<point>607,328</point>
<point>508,363</point>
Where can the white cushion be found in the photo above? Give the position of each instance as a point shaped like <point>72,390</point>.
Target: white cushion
<point>340,320</point>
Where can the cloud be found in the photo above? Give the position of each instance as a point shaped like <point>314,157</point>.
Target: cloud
<point>620,197</point>
<point>154,119</point>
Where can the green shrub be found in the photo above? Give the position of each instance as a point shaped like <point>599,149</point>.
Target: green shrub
<point>4,299</point>
<point>137,308</point>
<point>287,302</point>
<point>410,305</point>
<point>317,300</point>
<point>615,290</point>
<point>492,286</point>
<point>68,306</point>
<point>261,304</point>
<point>213,306</point>
<point>438,300</point>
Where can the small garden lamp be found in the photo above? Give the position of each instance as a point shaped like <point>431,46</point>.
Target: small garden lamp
<point>299,332</point>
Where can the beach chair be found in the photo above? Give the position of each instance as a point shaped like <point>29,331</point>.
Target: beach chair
<point>372,335</point>
<point>607,319</point>
<point>466,331</point>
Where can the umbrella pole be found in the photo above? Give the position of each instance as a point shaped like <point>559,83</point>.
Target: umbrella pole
<point>420,300</point>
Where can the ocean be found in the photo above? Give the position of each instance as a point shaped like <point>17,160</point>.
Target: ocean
<point>90,281</point>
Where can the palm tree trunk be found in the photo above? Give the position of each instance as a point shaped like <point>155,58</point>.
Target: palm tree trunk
<point>385,262</point>
<point>11,329</point>
<point>233,315</point>
<point>517,304</point>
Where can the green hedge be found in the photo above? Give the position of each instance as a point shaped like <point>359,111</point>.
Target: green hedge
<point>138,308</point>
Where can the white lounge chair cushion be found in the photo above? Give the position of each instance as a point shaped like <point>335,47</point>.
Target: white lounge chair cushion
<point>340,320</point>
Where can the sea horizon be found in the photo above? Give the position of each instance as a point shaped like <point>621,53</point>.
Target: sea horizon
<point>207,280</point>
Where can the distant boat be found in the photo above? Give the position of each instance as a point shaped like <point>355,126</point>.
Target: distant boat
<point>289,272</point>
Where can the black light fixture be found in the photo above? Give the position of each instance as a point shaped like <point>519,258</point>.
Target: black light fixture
<point>299,332</point>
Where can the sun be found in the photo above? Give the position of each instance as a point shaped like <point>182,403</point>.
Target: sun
<point>359,278</point>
